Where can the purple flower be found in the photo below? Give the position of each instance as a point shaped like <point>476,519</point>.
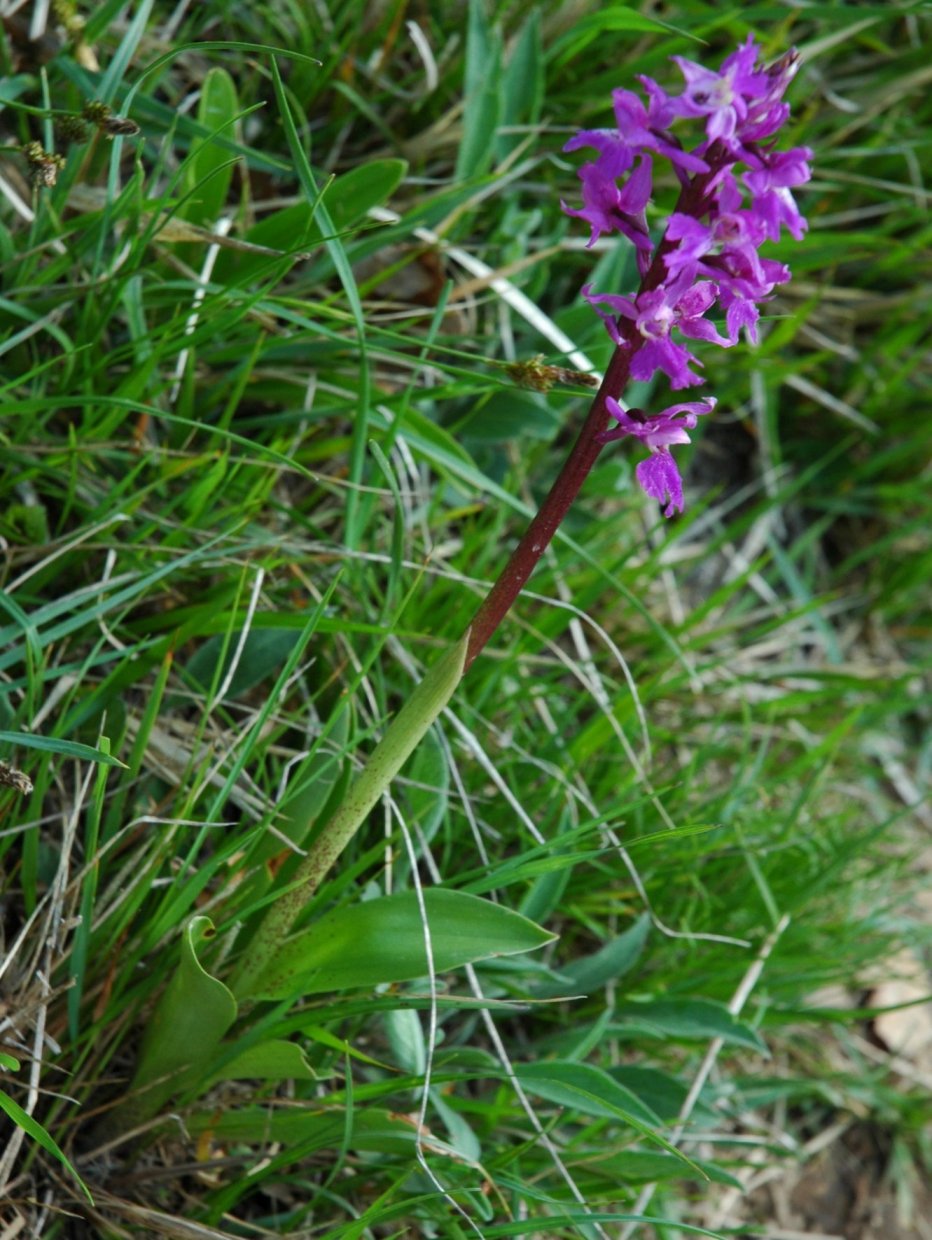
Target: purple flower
<point>720,97</point>
<point>770,187</point>
<point>658,476</point>
<point>731,232</point>
<point>647,129</point>
<point>767,112</point>
<point>743,285</point>
<point>742,103</point>
<point>655,314</point>
<point>608,209</point>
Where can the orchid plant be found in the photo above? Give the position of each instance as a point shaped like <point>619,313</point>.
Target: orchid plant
<point>736,193</point>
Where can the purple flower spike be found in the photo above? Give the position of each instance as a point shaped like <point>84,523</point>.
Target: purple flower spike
<point>736,194</point>
<point>658,476</point>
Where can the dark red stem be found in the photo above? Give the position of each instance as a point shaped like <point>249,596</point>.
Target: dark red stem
<point>523,560</point>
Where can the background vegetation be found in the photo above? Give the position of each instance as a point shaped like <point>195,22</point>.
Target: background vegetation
<point>260,460</point>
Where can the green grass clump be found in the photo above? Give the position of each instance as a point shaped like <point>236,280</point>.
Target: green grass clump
<point>263,453</point>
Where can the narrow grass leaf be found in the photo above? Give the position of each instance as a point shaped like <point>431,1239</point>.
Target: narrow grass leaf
<point>125,52</point>
<point>348,280</point>
<point>35,1130</point>
<point>522,84</point>
<point>65,749</point>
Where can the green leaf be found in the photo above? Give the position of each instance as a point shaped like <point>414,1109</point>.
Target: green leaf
<point>181,1039</point>
<point>597,25</point>
<point>610,962</point>
<point>663,1093</point>
<point>310,789</point>
<point>416,716</point>
<point>349,197</point>
<point>592,1091</point>
<point>692,1019</point>
<point>122,57</point>
<point>346,199</point>
<point>522,84</point>
<point>264,652</point>
<point>482,94</point>
<point>406,1038</point>
<point>428,785</point>
<point>67,749</point>
<point>35,1130</point>
<point>209,169</point>
<point>347,278</point>
<point>509,416</point>
<point>646,1166</point>
<point>586,1088</point>
<point>314,1128</point>
<point>382,940</point>
<point>275,1060</point>
<point>11,87</point>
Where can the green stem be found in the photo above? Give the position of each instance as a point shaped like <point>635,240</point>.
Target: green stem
<point>426,702</point>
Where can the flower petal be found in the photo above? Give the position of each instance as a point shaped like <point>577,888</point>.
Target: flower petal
<point>659,477</point>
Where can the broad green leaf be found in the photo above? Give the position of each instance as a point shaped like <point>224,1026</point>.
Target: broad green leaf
<point>35,1130</point>
<point>275,1060</point>
<point>406,1038</point>
<point>12,86</point>
<point>8,1062</point>
<point>346,198</point>
<point>509,417</point>
<point>663,1093</point>
<point>591,1090</point>
<point>209,169</point>
<point>314,1127</point>
<point>349,197</point>
<point>482,94</point>
<point>264,653</point>
<point>382,941</point>
<point>67,749</point>
<point>692,1019</point>
<point>522,84</point>
<point>645,1166</point>
<point>181,1039</point>
<point>610,962</point>
<point>586,1088</point>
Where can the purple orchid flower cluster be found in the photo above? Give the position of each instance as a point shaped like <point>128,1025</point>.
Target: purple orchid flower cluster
<point>708,255</point>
